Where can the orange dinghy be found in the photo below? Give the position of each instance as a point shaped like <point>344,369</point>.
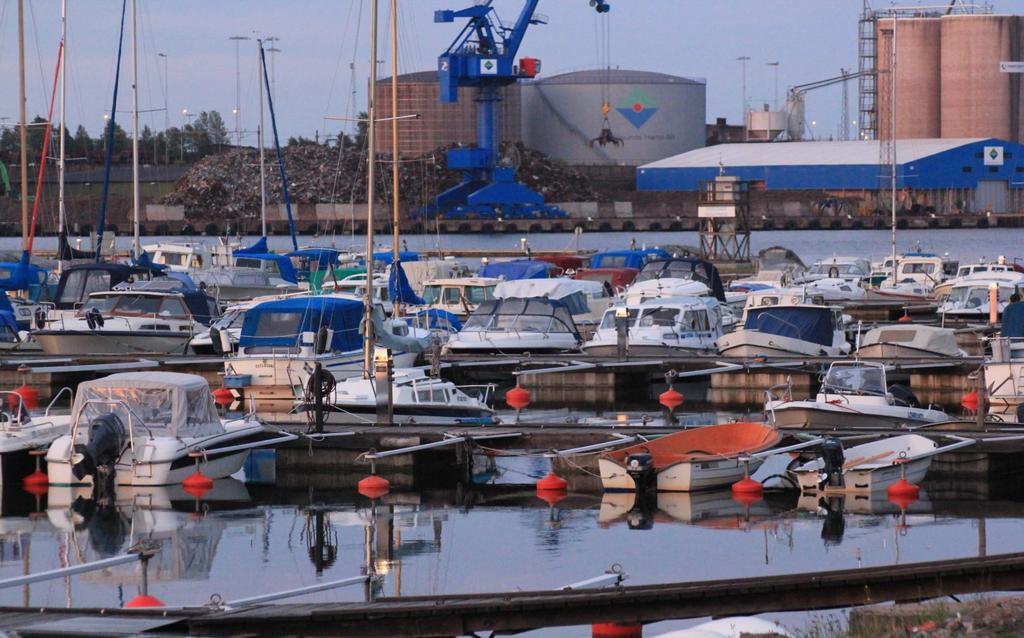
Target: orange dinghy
<point>697,459</point>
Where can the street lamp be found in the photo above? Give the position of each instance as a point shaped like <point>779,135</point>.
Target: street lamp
<point>743,112</point>
<point>167,114</point>
<point>776,65</point>
<point>184,117</point>
<point>238,87</point>
<point>813,124</point>
<point>272,50</point>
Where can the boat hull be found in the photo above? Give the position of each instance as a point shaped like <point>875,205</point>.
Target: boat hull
<point>872,479</point>
<point>86,342</point>
<point>750,343</point>
<point>644,350</point>
<point>827,416</point>
<point>687,476</point>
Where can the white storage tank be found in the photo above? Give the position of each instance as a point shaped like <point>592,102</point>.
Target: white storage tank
<point>655,115</point>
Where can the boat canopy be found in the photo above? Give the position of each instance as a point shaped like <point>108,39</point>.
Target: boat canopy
<point>627,258</point>
<point>281,323</point>
<point>168,403</point>
<point>517,269</point>
<point>524,315</point>
<point>399,289</point>
<point>804,322</point>
<point>572,292</point>
<point>694,268</point>
<point>919,337</point>
<point>284,264</point>
<point>21,274</point>
<point>614,278</point>
<point>437,319</point>
<point>8,320</point>
<point>855,377</point>
<point>78,282</point>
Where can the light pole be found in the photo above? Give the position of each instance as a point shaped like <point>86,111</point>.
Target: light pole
<point>238,88</point>
<point>184,117</point>
<point>273,50</point>
<point>775,106</point>
<point>167,114</point>
<point>743,112</point>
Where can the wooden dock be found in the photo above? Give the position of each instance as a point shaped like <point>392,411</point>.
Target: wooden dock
<point>517,611</point>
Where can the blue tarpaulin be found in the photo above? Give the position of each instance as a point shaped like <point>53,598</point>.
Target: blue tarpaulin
<point>386,257</point>
<point>21,274</point>
<point>1013,320</point>
<point>145,261</point>
<point>8,320</point>
<point>435,319</point>
<point>281,323</point>
<point>517,269</point>
<point>809,324</point>
<point>627,258</point>
<point>399,289</point>
<point>259,248</point>
<point>324,258</point>
<point>284,264</point>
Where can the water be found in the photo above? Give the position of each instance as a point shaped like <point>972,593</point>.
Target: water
<point>243,540</point>
<point>810,245</point>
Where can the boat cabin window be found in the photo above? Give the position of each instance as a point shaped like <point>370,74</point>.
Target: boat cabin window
<point>975,296</point>
<point>479,294</point>
<point>173,307</point>
<point>230,319</point>
<point>431,294</point>
<point>137,305</point>
<point>102,304</point>
<point>862,379</point>
<point>80,283</point>
<point>926,269</point>
<point>278,324</point>
<point>665,317</point>
<point>451,296</point>
<point>431,394</point>
<point>400,329</point>
<point>700,320</point>
<point>608,320</point>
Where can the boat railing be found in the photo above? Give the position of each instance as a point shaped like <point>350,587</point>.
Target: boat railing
<point>12,420</point>
<point>781,392</point>
<point>484,392</point>
<point>60,393</point>
<point>132,418</point>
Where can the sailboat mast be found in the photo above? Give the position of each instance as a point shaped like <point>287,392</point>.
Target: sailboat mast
<point>22,128</point>
<point>61,215</point>
<point>259,142</point>
<point>394,147</point>
<point>371,175</point>
<point>136,245</point>
<point>892,138</point>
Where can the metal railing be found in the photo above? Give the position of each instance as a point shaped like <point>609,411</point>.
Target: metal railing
<point>110,402</point>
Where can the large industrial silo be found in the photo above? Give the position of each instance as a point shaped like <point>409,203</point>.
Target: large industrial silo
<point>918,82</point>
<point>654,114</point>
<point>975,94</point>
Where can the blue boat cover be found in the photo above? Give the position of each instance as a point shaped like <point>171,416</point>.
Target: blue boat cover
<point>8,321</point>
<point>1013,320</point>
<point>259,248</point>
<point>284,264</point>
<point>19,275</point>
<point>627,258</point>
<point>517,269</point>
<point>399,289</point>
<point>809,324</point>
<point>323,257</point>
<point>281,323</point>
<point>436,319</point>
<point>145,261</point>
<point>386,257</point>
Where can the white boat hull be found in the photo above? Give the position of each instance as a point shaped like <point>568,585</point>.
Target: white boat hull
<point>751,343</point>
<point>687,476</point>
<point>84,342</point>
<point>840,415</point>
<point>870,479</point>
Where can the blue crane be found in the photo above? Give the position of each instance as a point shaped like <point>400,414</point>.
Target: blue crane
<point>483,57</point>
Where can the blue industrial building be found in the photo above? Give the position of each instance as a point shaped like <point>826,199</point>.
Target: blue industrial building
<point>990,167</point>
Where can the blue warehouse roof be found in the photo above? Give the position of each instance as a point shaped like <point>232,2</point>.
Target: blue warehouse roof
<point>921,164</point>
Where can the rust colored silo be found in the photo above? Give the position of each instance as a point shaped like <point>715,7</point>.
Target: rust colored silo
<point>975,94</point>
<point>918,87</point>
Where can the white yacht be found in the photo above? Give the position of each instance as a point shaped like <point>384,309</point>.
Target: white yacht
<point>458,295</point>
<point>852,269</point>
<point>793,321</point>
<point>661,327</point>
<point>417,398</point>
<point>999,270</point>
<point>139,428</point>
<point>586,300</point>
<point>515,326</point>
<point>853,394</point>
<point>355,286</point>
<point>969,298</point>
<point>159,316</point>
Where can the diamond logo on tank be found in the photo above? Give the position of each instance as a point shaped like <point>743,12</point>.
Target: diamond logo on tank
<point>637,107</point>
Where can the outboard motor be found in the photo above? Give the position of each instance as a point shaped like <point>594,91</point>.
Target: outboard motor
<point>904,396</point>
<point>834,525</point>
<point>107,438</point>
<point>832,459</point>
<point>640,467</point>
<point>94,318</point>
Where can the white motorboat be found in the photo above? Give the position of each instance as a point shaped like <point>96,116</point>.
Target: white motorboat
<point>22,432</point>
<point>870,467</point>
<point>853,394</point>
<point>355,286</point>
<point>515,326</point>
<point>851,269</point>
<point>909,340</point>
<point>586,300</point>
<point>231,284</point>
<point>836,289</point>
<point>139,428</point>
<point>661,327</point>
<point>787,322</point>
<point>77,282</point>
<point>998,270</point>
<point>459,295</point>
<point>416,397</point>
<point>159,316</point>
<point>969,298</point>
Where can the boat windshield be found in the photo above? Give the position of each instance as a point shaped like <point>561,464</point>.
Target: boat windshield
<point>479,294</point>
<point>842,269</point>
<point>608,321</point>
<point>856,379</point>
<point>664,317</point>
<point>974,296</point>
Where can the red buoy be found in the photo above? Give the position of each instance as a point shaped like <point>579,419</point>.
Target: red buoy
<point>196,491</point>
<point>902,501</point>
<point>970,400</point>
<point>197,481</point>
<point>552,483</point>
<point>902,489</point>
<point>373,486</point>
<point>36,489</point>
<point>746,498</point>
<point>223,396</point>
<point>747,486</point>
<point>671,399</point>
<point>551,497</point>
<point>517,398</point>
<point>905,318</point>
<point>144,600</point>
<point>29,397</point>
<point>36,478</point>
<point>616,630</point>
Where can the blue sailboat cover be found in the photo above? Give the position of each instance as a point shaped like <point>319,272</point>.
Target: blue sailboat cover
<point>809,324</point>
<point>259,248</point>
<point>517,269</point>
<point>281,323</point>
<point>19,275</point>
<point>399,289</point>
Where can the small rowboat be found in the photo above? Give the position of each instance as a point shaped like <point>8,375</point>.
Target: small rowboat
<point>697,459</point>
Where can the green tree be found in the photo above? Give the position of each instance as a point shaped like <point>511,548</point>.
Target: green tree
<point>82,145</point>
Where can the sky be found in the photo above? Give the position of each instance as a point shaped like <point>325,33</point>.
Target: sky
<point>322,67</point>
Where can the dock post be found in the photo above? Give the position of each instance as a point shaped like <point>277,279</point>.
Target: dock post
<point>318,398</point>
<point>383,374</point>
<point>982,398</point>
<point>622,332</point>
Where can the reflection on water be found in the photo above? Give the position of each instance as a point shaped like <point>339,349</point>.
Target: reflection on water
<point>239,541</point>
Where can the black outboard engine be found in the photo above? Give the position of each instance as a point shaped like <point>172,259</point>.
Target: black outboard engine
<point>94,318</point>
<point>640,467</point>
<point>834,525</point>
<point>107,438</point>
<point>832,459</point>
<point>904,396</point>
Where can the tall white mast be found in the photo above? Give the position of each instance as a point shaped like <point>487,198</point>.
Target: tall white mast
<point>394,145</point>
<point>892,138</point>
<point>136,244</point>
<point>259,142</point>
<point>371,174</point>
<point>61,215</point>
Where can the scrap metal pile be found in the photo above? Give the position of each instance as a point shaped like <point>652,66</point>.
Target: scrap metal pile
<point>227,185</point>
